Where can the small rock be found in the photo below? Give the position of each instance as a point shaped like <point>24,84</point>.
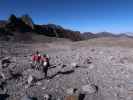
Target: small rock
<point>91,66</point>
<point>30,79</point>
<point>47,97</point>
<point>63,66</point>
<point>89,89</point>
<point>2,75</point>
<point>43,87</point>
<point>26,86</point>
<point>38,83</point>
<point>89,60</point>
<point>48,80</point>
<point>74,64</point>
<point>71,91</point>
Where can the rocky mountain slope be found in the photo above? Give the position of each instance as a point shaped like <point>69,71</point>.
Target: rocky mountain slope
<point>89,35</point>
<point>24,25</point>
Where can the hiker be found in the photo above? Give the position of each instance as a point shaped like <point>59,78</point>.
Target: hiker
<point>36,60</point>
<point>45,64</point>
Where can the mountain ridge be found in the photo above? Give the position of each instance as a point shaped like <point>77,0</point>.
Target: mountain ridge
<point>24,24</point>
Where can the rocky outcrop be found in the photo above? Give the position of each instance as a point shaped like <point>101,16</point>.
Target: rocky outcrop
<point>25,24</point>
<point>28,20</point>
<point>17,24</point>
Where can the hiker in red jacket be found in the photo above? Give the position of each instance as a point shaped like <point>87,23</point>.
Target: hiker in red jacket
<point>36,60</point>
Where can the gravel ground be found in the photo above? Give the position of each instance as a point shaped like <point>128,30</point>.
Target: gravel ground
<point>110,69</point>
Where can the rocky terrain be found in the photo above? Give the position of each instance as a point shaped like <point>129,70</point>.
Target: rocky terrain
<point>97,69</point>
